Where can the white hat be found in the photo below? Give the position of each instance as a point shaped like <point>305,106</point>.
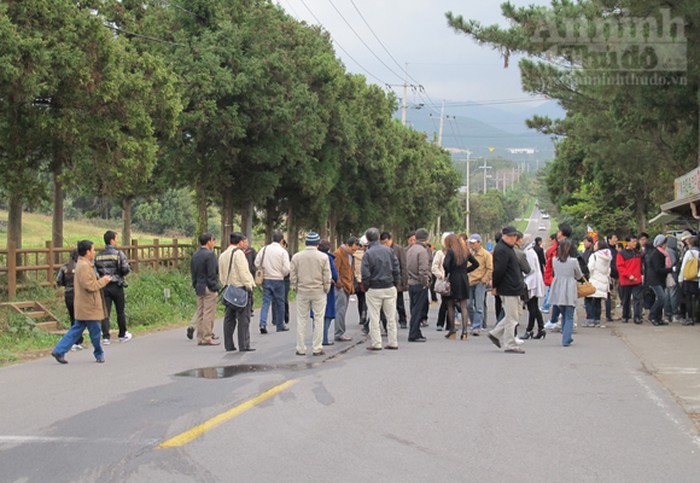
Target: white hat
<point>363,240</point>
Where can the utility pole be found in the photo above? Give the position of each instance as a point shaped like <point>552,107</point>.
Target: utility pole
<point>442,123</point>
<point>405,94</point>
<point>484,167</point>
<point>469,153</point>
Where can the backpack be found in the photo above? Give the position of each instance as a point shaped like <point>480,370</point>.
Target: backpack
<point>690,270</point>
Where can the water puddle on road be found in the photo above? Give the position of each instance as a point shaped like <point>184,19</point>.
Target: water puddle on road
<point>223,372</point>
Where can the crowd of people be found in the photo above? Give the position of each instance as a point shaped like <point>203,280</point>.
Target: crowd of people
<point>659,275</point>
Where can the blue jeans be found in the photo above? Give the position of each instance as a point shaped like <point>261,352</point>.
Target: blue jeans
<point>476,305</point>
<point>74,333</point>
<point>273,293</point>
<point>655,312</point>
<point>556,310</point>
<point>588,305</point>
<point>545,301</point>
<point>567,324</point>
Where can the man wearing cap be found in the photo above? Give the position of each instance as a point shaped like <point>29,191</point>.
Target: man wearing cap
<point>478,281</point>
<point>508,284</point>
<point>359,288</point>
<point>345,265</point>
<point>418,268</point>
<point>380,276</point>
<point>311,280</point>
<point>274,262</point>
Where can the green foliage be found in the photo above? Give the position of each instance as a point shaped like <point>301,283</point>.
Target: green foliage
<point>171,213</point>
<point>619,146</point>
<point>146,304</point>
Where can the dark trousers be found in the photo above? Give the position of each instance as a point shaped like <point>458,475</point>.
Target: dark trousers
<point>534,314</point>
<point>418,296</point>
<point>237,316</point>
<point>596,308</point>
<point>114,293</point>
<point>401,309</point>
<point>442,311</point>
<point>68,297</point>
<point>631,295</point>
<point>656,311</point>
<point>362,308</point>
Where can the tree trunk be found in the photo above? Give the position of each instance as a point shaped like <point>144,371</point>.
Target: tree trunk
<point>202,215</point>
<point>14,229</point>
<point>641,214</point>
<point>269,221</point>
<point>14,219</point>
<point>292,238</point>
<point>226,217</point>
<point>57,221</point>
<point>126,220</point>
<point>248,226</point>
<point>324,229</point>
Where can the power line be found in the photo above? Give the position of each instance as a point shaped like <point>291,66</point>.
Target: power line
<point>375,35</point>
<point>145,37</point>
<point>362,40</point>
<point>341,47</point>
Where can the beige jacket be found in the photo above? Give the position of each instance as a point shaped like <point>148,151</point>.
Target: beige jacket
<point>311,272</point>
<point>436,268</point>
<point>359,253</point>
<point>89,302</point>
<point>240,275</point>
<point>484,271</point>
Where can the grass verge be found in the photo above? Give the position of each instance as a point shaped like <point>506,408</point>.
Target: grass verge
<point>147,310</point>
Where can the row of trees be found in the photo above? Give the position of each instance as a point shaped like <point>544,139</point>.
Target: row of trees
<point>232,99</point>
<point>620,146</point>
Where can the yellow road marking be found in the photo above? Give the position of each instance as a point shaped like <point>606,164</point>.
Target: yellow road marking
<point>194,433</point>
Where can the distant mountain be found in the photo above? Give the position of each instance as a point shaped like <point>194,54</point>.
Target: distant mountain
<point>480,127</point>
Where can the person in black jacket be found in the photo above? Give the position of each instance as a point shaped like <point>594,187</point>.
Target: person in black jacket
<point>658,267</point>
<point>205,281</point>
<point>64,278</point>
<point>508,284</point>
<point>112,261</point>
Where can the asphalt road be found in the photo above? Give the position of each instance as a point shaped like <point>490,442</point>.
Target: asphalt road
<point>440,411</point>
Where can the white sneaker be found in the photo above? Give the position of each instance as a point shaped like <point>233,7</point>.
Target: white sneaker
<point>105,342</point>
<point>519,341</point>
<point>76,347</point>
<point>549,326</point>
<point>127,337</point>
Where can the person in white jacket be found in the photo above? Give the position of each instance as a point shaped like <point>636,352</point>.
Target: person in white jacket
<point>439,272</point>
<point>535,291</point>
<point>599,268</point>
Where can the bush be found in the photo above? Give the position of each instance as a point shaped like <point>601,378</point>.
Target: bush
<point>146,304</point>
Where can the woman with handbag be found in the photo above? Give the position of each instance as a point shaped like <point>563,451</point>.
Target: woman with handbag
<point>458,263</point>
<point>599,267</point>
<point>563,292</point>
<point>535,290</point>
<point>439,272</point>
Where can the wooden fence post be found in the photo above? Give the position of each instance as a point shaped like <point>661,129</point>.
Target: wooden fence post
<point>176,254</point>
<point>11,270</point>
<point>156,253</point>
<point>135,248</point>
<point>50,262</point>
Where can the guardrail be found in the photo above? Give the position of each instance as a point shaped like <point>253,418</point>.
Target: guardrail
<point>25,267</point>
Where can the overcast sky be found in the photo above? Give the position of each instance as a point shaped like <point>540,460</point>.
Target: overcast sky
<point>449,65</point>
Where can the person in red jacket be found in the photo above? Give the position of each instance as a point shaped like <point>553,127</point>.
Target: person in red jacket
<point>629,267</point>
<point>548,274</point>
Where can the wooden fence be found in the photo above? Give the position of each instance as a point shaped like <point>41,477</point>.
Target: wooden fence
<point>27,267</point>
